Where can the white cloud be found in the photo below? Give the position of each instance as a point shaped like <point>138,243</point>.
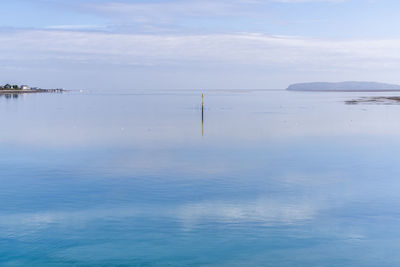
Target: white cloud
<point>166,12</point>
<point>161,61</point>
<point>76,27</point>
<point>309,1</point>
<point>245,49</point>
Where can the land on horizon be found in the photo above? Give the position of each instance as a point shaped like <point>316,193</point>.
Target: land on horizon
<point>25,89</point>
<point>352,86</point>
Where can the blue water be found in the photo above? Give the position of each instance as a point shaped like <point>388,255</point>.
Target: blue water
<point>128,179</point>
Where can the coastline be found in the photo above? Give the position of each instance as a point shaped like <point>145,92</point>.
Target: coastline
<point>343,91</point>
<point>2,92</point>
<point>383,100</point>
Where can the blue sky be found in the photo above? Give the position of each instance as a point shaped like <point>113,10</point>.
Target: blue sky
<point>193,44</point>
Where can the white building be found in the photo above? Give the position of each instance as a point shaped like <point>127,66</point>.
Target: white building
<point>25,87</point>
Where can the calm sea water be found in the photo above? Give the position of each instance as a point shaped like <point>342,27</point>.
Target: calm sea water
<point>128,179</point>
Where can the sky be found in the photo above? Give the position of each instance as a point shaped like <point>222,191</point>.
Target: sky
<point>197,44</point>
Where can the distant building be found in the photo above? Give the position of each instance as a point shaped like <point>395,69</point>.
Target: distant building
<point>8,86</point>
<point>25,87</point>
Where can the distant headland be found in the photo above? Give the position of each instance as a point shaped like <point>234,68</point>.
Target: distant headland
<point>24,89</point>
<point>344,87</point>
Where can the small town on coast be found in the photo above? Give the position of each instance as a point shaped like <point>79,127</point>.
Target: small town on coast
<point>12,88</point>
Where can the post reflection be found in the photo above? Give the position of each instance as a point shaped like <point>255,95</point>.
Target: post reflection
<point>202,114</point>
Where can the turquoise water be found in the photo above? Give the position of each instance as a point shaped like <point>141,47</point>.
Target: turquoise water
<point>127,179</point>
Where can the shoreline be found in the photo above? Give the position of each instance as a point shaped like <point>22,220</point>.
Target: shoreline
<point>3,92</point>
<point>349,91</point>
<point>380,100</point>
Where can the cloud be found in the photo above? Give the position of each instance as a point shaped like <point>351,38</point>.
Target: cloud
<point>242,49</point>
<point>308,1</point>
<point>157,60</point>
<point>170,12</point>
<point>76,27</point>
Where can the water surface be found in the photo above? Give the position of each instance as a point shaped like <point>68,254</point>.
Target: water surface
<point>277,178</point>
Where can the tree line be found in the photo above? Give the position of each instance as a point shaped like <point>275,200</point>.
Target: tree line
<point>10,87</point>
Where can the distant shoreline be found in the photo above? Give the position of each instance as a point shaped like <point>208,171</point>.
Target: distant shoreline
<point>383,100</point>
<point>344,87</point>
<point>349,91</point>
<point>32,91</point>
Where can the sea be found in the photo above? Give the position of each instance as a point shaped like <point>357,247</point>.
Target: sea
<point>150,178</point>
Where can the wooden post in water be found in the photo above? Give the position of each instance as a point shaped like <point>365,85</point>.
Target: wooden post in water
<point>202,114</point>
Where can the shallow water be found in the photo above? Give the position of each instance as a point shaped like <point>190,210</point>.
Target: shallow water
<point>278,178</point>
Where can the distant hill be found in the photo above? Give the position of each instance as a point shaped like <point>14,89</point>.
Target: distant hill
<point>344,86</point>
